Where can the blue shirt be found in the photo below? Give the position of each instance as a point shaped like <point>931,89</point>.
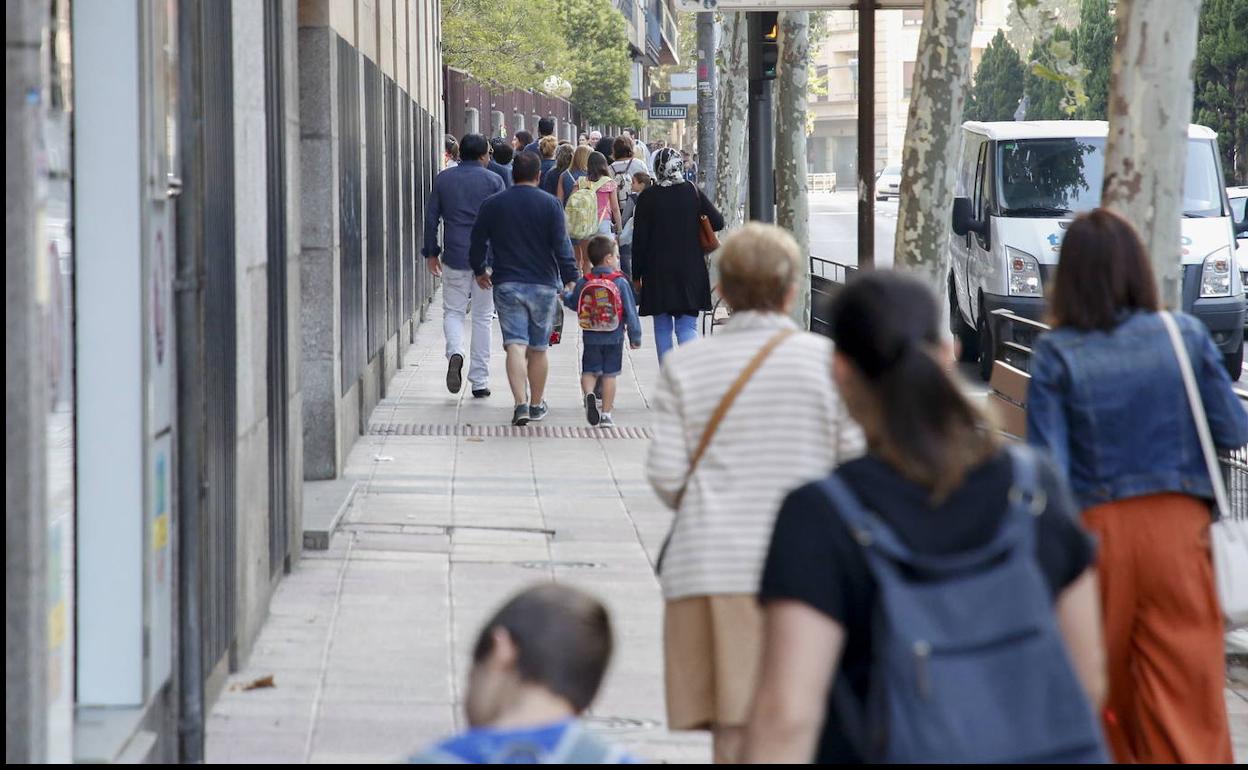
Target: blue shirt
<point>566,742</point>
<point>502,171</point>
<point>1111,408</point>
<point>457,195</point>
<point>631,321</point>
<point>527,240</point>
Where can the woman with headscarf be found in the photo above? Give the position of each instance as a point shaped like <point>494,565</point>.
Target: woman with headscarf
<point>669,263</point>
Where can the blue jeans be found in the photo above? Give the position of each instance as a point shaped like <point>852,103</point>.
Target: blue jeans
<point>686,331</point>
<point>526,313</point>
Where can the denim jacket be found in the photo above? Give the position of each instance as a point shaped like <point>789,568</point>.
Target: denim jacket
<point>1112,409</point>
<point>631,321</point>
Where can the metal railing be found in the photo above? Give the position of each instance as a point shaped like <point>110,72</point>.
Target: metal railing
<point>826,279</point>
<point>1014,335</point>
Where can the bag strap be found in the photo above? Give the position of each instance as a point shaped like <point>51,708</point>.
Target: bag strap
<point>725,404</point>
<point>1197,405</point>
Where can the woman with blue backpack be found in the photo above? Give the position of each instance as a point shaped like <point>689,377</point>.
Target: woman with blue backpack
<point>935,600</point>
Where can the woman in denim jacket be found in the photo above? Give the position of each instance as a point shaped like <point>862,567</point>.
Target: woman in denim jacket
<point>1107,399</point>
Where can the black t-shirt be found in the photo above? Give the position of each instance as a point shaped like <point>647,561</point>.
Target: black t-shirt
<point>814,559</point>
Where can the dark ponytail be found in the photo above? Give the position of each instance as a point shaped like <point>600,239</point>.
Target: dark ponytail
<point>888,324</point>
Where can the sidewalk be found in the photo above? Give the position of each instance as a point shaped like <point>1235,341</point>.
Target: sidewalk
<point>368,643</point>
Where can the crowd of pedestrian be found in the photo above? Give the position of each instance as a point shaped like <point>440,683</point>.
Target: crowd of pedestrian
<point>527,255</point>
<point>860,567</point>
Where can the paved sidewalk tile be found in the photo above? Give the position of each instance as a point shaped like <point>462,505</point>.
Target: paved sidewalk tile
<point>369,642</point>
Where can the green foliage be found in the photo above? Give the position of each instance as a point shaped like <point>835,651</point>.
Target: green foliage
<point>998,82</point>
<point>1221,72</point>
<point>1094,51</point>
<point>1047,87</point>
<point>502,41</point>
<point>599,64</point>
<point>1053,59</point>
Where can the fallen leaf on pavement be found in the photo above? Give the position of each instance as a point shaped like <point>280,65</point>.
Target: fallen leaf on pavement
<point>256,684</point>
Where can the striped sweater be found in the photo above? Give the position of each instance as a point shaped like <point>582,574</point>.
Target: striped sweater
<point>787,427</point>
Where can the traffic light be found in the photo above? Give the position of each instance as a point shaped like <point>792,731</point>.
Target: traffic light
<point>764,32</point>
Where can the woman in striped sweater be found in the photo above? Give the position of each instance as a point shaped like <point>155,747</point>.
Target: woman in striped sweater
<point>743,417</point>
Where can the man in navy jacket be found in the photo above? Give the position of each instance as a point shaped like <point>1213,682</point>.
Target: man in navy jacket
<point>457,195</point>
<point>520,249</point>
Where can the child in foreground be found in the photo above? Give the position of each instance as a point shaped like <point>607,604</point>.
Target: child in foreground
<point>605,308</point>
<point>536,668</point>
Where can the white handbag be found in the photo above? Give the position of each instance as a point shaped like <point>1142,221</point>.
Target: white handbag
<point>1229,532</point>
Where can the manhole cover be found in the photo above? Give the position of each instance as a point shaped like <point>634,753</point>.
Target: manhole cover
<point>507,431</point>
<point>565,564</point>
<point>612,724</point>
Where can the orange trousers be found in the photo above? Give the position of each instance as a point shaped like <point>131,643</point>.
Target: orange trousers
<point>1163,631</point>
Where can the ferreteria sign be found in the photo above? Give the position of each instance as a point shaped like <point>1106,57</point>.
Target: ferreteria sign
<point>668,112</point>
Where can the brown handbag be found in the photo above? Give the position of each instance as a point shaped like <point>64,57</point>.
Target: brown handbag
<point>706,233</point>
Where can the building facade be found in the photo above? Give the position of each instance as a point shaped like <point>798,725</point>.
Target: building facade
<point>833,103</point>
<point>213,212</point>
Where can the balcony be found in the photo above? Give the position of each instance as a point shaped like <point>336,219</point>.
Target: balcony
<point>634,13</point>
<point>662,40</point>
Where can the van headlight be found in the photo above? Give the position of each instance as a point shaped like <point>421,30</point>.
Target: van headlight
<point>1215,275</point>
<point>1024,273</point>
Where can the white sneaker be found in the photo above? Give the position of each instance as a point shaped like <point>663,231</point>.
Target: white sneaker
<point>605,421</point>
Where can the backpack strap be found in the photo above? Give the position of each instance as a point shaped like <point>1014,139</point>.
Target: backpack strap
<point>581,747</point>
<point>883,549</point>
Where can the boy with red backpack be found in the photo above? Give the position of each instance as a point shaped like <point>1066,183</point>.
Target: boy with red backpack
<point>605,307</point>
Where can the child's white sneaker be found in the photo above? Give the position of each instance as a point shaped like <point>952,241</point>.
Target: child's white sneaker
<point>605,421</point>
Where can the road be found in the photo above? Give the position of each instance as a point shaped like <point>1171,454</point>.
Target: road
<point>834,228</point>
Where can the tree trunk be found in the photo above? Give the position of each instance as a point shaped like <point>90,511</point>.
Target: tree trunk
<point>792,212</point>
<point>733,112</point>
<point>942,78</point>
<point>1150,106</point>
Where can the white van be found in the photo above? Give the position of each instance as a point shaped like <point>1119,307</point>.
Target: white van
<point>1020,183</point>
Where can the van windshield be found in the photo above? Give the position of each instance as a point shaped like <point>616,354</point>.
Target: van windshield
<point>1052,177</point>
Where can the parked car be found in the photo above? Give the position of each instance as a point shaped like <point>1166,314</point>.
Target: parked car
<point>1020,183</point>
<point>888,183</point>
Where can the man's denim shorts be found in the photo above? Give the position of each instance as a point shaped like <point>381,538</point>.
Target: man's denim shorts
<point>526,313</point>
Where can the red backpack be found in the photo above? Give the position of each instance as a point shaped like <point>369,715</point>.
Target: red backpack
<point>599,307</point>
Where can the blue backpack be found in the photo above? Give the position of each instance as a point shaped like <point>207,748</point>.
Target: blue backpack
<point>968,665</point>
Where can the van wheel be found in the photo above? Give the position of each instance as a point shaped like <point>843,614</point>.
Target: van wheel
<point>1235,363</point>
<point>987,346</point>
<point>967,336</point>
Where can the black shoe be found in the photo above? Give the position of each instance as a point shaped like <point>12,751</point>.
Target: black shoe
<point>480,392</point>
<point>521,415</point>
<point>598,388</point>
<point>591,409</point>
<point>455,373</point>
<point>537,411</point>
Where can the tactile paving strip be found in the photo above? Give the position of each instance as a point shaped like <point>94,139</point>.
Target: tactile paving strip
<point>507,431</point>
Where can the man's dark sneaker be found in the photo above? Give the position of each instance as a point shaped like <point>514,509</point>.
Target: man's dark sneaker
<point>455,373</point>
<point>598,388</point>
<point>591,409</point>
<point>521,415</point>
<point>480,392</point>
<point>537,411</point>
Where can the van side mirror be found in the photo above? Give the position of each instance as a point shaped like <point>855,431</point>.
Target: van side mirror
<point>963,218</point>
